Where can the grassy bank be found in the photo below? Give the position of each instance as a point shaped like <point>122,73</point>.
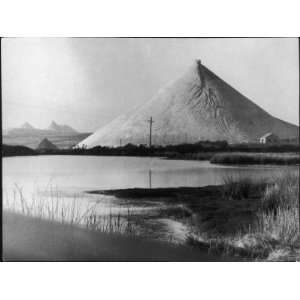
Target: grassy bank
<point>55,209</point>
<point>242,219</point>
<point>40,230</point>
<point>12,150</point>
<point>272,228</point>
<point>271,158</point>
<point>256,158</point>
<point>216,152</point>
<point>202,150</point>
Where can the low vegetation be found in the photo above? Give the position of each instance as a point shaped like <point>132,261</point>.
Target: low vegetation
<point>278,217</point>
<point>52,231</point>
<point>216,152</point>
<point>57,209</point>
<point>256,158</point>
<point>8,150</point>
<point>244,219</point>
<point>272,228</point>
<point>190,156</point>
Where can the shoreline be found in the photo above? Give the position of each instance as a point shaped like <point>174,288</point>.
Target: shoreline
<point>204,205</point>
<point>217,158</point>
<point>221,215</point>
<point>219,219</point>
<point>138,193</point>
<point>219,152</point>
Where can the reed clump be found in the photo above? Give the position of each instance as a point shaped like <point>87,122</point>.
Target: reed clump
<point>278,217</point>
<point>239,188</point>
<point>274,227</point>
<point>57,209</point>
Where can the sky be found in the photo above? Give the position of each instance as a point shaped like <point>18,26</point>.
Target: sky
<point>87,82</point>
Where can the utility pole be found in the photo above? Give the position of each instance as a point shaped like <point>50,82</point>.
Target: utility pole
<point>150,133</point>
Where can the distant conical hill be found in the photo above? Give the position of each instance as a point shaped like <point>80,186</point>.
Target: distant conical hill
<point>45,144</point>
<point>198,106</point>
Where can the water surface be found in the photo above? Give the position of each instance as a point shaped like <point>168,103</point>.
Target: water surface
<point>66,178</point>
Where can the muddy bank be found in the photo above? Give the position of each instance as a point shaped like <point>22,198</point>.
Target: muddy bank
<point>154,193</point>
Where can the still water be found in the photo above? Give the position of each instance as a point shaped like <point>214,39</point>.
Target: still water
<point>67,178</point>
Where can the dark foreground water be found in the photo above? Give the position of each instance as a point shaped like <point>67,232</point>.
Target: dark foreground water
<point>61,181</point>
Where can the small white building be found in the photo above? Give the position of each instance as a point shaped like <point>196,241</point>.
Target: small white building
<point>268,138</point>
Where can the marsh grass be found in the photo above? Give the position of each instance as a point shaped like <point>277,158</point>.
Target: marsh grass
<point>111,223</point>
<point>281,192</point>
<point>239,188</point>
<point>250,219</point>
<point>278,217</point>
<point>283,226</point>
<point>190,156</point>
<point>274,226</point>
<point>256,158</point>
<point>242,246</point>
<point>56,208</point>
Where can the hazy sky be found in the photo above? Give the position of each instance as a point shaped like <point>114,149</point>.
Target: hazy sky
<point>87,82</point>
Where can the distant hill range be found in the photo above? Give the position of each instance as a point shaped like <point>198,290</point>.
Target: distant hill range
<point>62,129</point>
<point>63,136</point>
<point>53,129</point>
<point>198,106</point>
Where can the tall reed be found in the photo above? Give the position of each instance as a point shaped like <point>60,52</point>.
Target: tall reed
<point>278,217</point>
<point>275,224</point>
<point>70,212</point>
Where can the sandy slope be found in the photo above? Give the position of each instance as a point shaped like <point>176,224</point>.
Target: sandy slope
<point>197,106</point>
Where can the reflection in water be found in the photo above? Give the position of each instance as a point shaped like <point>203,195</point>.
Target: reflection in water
<point>82,173</point>
<point>150,179</point>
